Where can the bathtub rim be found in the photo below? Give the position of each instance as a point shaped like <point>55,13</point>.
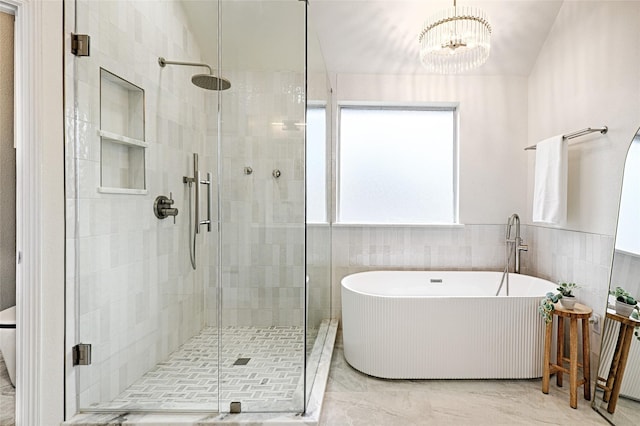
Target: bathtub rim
<point>552,285</point>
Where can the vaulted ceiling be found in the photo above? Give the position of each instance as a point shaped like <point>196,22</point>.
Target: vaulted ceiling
<point>365,36</point>
<point>362,36</point>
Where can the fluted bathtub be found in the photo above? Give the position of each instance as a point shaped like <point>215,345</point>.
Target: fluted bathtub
<point>443,325</point>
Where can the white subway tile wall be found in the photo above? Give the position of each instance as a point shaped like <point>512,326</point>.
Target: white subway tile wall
<point>560,255</point>
<point>263,217</point>
<point>363,248</point>
<point>138,299</point>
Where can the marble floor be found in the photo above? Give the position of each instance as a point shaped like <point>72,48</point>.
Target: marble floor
<point>7,397</point>
<point>626,413</point>
<point>353,398</point>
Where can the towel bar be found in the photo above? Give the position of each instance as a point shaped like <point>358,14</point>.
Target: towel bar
<point>582,132</point>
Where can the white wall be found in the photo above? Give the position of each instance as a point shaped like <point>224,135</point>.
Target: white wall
<point>492,135</point>
<point>586,75</point>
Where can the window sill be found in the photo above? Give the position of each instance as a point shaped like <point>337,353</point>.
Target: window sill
<point>398,225</point>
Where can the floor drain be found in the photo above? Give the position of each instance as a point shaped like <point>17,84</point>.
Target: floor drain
<point>241,361</point>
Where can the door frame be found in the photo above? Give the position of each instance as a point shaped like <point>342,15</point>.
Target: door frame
<point>39,136</point>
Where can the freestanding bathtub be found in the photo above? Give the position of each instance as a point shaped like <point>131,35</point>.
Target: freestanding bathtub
<point>443,325</point>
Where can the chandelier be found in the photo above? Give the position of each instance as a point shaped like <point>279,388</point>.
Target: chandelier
<point>455,40</point>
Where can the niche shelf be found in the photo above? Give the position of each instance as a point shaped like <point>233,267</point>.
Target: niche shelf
<point>122,136</point>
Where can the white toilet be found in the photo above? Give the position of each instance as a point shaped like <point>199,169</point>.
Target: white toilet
<point>8,341</point>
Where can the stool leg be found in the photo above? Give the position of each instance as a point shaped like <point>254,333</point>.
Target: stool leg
<point>586,359</point>
<point>547,357</point>
<point>615,362</point>
<point>615,392</point>
<point>573,363</point>
<point>560,352</point>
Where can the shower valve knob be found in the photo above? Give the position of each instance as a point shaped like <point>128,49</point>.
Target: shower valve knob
<point>162,207</point>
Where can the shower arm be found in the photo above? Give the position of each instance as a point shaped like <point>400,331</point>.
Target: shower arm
<point>162,62</point>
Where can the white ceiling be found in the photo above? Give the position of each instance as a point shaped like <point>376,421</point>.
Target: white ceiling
<point>361,36</point>
<point>381,37</point>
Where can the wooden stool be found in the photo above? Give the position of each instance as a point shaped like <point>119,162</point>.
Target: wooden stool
<point>619,361</point>
<point>579,312</point>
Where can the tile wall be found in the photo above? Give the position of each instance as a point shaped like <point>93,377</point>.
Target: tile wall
<point>560,255</point>
<point>363,248</point>
<point>319,273</point>
<point>262,223</point>
<point>138,298</point>
<point>572,256</point>
<point>626,272</point>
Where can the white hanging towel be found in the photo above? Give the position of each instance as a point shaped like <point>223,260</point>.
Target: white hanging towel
<point>550,187</point>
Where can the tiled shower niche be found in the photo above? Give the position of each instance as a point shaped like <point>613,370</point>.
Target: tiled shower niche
<point>122,139</point>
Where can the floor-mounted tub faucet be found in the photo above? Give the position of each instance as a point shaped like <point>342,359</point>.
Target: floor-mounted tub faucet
<point>514,221</point>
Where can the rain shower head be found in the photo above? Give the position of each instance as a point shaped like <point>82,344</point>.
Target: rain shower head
<point>210,82</point>
<point>204,81</point>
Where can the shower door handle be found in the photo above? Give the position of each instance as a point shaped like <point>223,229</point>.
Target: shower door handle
<point>209,196</point>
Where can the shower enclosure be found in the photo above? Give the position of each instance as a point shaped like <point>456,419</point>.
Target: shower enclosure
<point>195,281</point>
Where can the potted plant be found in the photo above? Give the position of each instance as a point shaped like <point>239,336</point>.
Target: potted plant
<point>625,303</point>
<point>567,299</point>
<point>546,306</point>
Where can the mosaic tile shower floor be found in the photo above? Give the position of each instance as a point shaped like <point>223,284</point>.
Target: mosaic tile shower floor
<point>188,379</point>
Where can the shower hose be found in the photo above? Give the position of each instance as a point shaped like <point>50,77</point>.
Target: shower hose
<point>507,256</point>
<point>192,243</point>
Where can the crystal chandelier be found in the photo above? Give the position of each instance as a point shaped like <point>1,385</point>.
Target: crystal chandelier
<point>455,40</point>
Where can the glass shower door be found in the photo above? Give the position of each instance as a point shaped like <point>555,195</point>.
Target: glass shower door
<point>262,206</point>
<point>149,316</point>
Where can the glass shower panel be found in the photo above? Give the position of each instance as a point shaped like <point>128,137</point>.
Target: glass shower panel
<point>134,127</point>
<point>318,200</point>
<point>262,206</point>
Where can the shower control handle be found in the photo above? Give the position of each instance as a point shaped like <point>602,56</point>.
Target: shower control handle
<point>162,207</point>
<point>209,196</point>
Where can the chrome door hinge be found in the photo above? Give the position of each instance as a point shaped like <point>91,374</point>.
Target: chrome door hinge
<point>82,354</point>
<point>80,44</point>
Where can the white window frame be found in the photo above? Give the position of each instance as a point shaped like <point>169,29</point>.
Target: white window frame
<point>327,157</point>
<point>441,106</point>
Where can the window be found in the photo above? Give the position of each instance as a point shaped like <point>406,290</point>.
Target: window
<point>397,165</point>
<point>316,164</point>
